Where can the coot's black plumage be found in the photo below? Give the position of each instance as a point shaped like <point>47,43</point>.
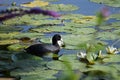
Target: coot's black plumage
<point>42,49</point>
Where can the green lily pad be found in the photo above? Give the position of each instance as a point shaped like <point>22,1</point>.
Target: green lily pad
<point>113,3</point>
<point>50,0</point>
<point>101,72</point>
<point>112,58</point>
<point>36,3</point>
<point>25,20</point>
<point>107,36</point>
<point>32,69</point>
<point>28,34</point>
<point>63,62</point>
<point>8,42</point>
<point>116,24</point>
<point>8,29</point>
<point>84,31</point>
<point>16,47</point>
<point>76,40</point>
<point>8,35</point>
<point>116,16</point>
<point>117,32</point>
<point>60,7</point>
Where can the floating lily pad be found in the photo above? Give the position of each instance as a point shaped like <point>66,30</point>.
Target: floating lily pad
<point>8,29</point>
<point>30,35</point>
<point>117,32</point>
<point>16,47</point>
<point>116,16</point>
<point>113,3</point>
<point>112,58</point>
<point>8,42</point>
<point>60,7</point>
<point>107,36</point>
<point>8,35</point>
<point>50,0</point>
<point>116,24</point>
<point>84,31</point>
<point>35,3</point>
<point>33,69</point>
<point>102,72</point>
<point>64,60</point>
<point>73,41</point>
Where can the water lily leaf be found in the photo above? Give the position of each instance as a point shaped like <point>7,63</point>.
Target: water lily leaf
<point>8,42</point>
<point>66,59</point>
<point>35,3</point>
<point>8,29</point>
<point>107,36</point>
<point>116,16</point>
<point>16,47</point>
<point>113,3</point>
<point>60,7</point>
<point>8,35</point>
<point>71,16</point>
<point>85,20</point>
<point>78,39</point>
<point>50,0</point>
<point>101,72</point>
<point>84,31</point>
<point>112,58</point>
<point>30,35</point>
<point>25,20</point>
<point>117,31</point>
<point>33,69</point>
<point>116,24</point>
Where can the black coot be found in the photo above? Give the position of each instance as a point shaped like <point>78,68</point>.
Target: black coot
<point>42,49</point>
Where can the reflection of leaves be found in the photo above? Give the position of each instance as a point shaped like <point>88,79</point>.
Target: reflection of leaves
<point>33,69</point>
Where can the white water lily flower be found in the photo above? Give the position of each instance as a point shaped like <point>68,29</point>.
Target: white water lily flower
<point>112,50</point>
<point>81,55</point>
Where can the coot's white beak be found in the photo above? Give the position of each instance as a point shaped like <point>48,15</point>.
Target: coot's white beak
<point>61,43</point>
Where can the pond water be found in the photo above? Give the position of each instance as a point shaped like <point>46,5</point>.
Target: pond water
<point>88,31</point>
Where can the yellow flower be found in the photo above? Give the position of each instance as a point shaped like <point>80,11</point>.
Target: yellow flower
<point>112,50</point>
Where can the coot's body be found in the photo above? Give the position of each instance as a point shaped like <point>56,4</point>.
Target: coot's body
<point>42,49</point>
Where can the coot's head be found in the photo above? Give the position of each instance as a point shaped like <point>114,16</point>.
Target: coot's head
<point>57,40</point>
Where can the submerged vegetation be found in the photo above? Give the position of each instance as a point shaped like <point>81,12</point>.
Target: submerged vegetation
<point>96,42</point>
